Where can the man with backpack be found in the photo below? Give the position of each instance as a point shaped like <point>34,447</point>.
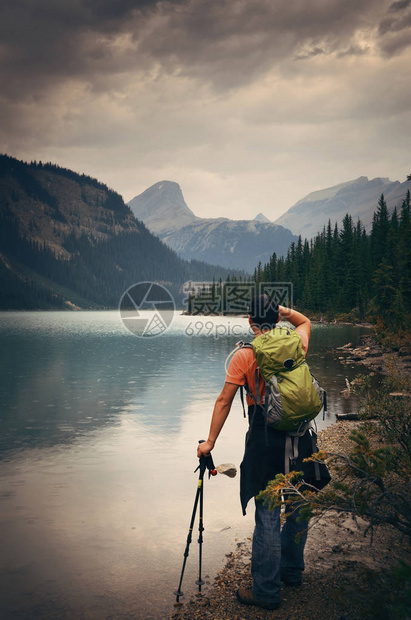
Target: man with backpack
<point>276,554</point>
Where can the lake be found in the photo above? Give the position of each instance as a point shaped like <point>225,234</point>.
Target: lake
<point>98,433</point>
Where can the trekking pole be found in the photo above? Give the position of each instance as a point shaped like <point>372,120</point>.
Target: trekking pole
<point>206,462</point>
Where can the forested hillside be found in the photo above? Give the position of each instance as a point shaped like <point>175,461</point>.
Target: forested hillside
<point>349,271</point>
<point>67,240</point>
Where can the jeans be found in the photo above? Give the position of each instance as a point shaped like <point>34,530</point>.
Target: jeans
<point>275,552</point>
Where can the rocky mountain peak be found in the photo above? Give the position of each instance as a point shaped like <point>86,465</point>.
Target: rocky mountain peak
<point>261,218</point>
<point>162,207</point>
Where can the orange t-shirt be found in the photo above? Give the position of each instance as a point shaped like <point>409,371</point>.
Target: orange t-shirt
<point>242,367</point>
<point>241,371</point>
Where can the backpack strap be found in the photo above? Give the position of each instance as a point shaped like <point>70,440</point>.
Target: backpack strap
<point>238,345</point>
<point>324,396</point>
<point>315,448</point>
<point>250,394</point>
<point>257,398</point>
<point>290,451</point>
<point>291,447</point>
<point>242,398</point>
<point>241,345</point>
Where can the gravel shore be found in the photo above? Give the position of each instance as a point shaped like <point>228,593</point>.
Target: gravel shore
<point>346,578</point>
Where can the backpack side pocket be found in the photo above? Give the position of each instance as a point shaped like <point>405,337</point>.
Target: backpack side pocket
<point>274,405</point>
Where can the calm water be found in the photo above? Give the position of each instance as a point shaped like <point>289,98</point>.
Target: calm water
<point>98,432</point>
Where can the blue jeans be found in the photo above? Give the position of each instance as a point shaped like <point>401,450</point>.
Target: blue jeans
<point>275,552</point>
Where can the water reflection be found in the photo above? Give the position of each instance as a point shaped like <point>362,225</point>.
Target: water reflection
<point>98,432</point>
<point>57,384</point>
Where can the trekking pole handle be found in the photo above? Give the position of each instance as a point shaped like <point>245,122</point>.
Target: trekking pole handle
<point>209,463</point>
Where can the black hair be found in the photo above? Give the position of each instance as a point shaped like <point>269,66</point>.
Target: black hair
<point>263,311</point>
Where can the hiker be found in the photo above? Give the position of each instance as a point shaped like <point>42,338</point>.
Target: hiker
<point>276,556</point>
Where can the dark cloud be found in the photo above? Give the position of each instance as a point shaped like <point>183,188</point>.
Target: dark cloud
<point>224,42</point>
<point>316,51</point>
<point>43,43</point>
<point>395,28</point>
<point>399,6</point>
<point>230,43</point>
<point>128,83</point>
<point>108,10</point>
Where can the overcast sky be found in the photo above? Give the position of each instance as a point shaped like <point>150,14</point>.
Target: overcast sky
<point>248,104</point>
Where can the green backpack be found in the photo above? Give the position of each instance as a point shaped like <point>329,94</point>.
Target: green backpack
<point>294,397</point>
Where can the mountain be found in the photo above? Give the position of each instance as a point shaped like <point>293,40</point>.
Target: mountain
<point>238,244</point>
<point>163,205</point>
<point>261,218</point>
<point>359,198</point>
<point>67,240</point>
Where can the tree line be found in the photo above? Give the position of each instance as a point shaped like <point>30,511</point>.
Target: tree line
<point>97,273</point>
<point>347,270</point>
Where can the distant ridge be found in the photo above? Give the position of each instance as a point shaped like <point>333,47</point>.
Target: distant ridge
<point>359,198</point>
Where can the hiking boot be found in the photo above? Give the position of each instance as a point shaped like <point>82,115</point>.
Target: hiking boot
<point>294,583</point>
<point>247,597</point>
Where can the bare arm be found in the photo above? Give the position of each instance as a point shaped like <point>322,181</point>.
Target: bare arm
<point>221,410</point>
<point>301,323</point>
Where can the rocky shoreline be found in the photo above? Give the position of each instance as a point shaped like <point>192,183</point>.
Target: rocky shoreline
<point>344,573</point>
<point>346,577</point>
<point>375,356</point>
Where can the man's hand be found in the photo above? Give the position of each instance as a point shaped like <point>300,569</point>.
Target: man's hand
<point>204,448</point>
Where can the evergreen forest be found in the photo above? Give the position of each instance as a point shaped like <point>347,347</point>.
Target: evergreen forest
<point>97,274</point>
<point>345,271</point>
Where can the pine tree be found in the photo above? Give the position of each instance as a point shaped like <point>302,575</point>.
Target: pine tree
<point>379,233</point>
<point>404,251</point>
